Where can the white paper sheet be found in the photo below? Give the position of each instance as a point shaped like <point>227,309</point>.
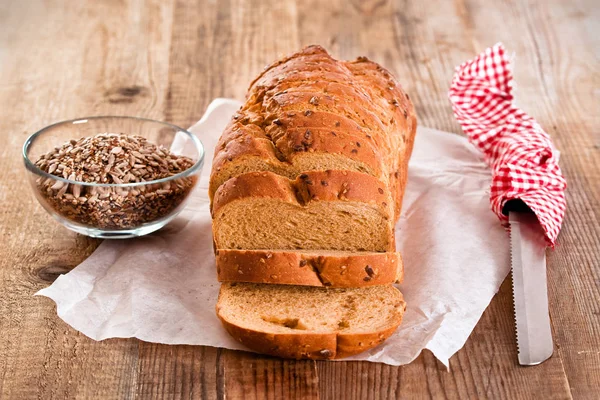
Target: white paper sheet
<point>163,288</point>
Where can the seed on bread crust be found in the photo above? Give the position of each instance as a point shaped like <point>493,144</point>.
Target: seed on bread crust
<point>325,353</point>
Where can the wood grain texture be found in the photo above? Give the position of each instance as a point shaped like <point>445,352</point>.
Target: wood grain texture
<point>167,60</point>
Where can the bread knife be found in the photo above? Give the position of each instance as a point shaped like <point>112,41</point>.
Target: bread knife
<point>530,290</point>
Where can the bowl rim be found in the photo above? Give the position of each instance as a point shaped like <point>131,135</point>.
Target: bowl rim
<point>190,171</point>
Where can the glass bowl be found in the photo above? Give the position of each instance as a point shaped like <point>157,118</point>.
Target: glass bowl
<point>113,210</point>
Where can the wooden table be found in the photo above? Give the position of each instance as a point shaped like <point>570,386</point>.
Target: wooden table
<point>167,60</point>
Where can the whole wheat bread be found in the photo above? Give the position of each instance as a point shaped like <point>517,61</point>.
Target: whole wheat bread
<point>307,182</point>
<point>310,268</point>
<point>309,322</point>
<point>312,112</point>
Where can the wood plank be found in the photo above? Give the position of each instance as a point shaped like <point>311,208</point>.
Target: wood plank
<point>179,372</point>
<point>252,376</point>
<point>218,48</point>
<point>60,61</point>
<point>167,60</point>
<point>555,75</point>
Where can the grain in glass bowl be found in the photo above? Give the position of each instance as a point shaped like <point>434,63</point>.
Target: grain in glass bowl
<point>113,184</point>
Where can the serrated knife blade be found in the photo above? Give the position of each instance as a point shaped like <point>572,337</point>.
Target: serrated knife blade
<point>530,290</point>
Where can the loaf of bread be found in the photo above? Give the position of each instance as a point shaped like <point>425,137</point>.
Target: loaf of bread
<point>310,112</point>
<point>306,186</point>
<point>309,322</point>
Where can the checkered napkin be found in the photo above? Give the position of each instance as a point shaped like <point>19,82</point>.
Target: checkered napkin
<point>523,160</point>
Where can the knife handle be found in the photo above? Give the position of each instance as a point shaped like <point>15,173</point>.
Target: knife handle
<point>516,205</point>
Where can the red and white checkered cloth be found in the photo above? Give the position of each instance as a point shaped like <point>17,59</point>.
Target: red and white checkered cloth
<point>523,160</point>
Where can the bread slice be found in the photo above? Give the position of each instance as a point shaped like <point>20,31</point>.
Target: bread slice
<point>309,322</point>
<point>332,210</point>
<point>309,268</point>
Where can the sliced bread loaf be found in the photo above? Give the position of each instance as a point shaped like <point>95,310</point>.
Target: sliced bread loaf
<point>309,322</point>
<point>332,210</point>
<point>310,268</point>
<point>306,185</point>
<point>309,111</point>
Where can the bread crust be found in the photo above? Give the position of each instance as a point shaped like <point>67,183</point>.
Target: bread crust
<point>311,345</point>
<point>337,269</point>
<point>310,186</point>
